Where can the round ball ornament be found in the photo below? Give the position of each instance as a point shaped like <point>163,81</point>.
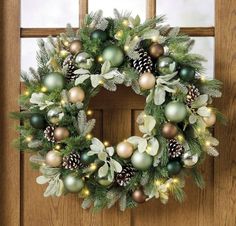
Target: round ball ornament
<point>210,120</point>
<point>139,196</point>
<point>37,121</point>
<point>169,130</point>
<point>103,181</point>
<point>87,159</point>
<point>53,158</point>
<point>99,35</point>
<point>141,161</point>
<point>156,50</point>
<point>124,149</point>
<point>73,183</point>
<point>175,111</point>
<point>54,81</point>
<point>113,54</point>
<point>166,65</point>
<point>54,115</point>
<point>147,81</point>
<point>83,60</point>
<point>173,168</point>
<point>189,160</point>
<point>75,47</point>
<point>61,133</point>
<point>187,74</point>
<point>76,95</point>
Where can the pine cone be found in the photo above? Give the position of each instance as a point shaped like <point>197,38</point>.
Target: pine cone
<point>123,178</point>
<point>192,94</point>
<point>143,63</point>
<point>72,161</point>
<point>49,133</point>
<point>70,75</point>
<point>175,149</point>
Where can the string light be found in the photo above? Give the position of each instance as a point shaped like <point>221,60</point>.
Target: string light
<point>66,43</point>
<point>100,59</point>
<point>63,102</point>
<point>89,136</point>
<point>125,22</point>
<point>168,184</point>
<point>89,112</point>
<point>126,48</point>
<point>180,138</point>
<point>58,147</point>
<point>175,180</point>
<point>93,166</point>
<point>158,182</point>
<point>26,93</point>
<point>207,143</point>
<point>29,138</point>
<point>106,143</point>
<point>44,89</point>
<point>136,37</point>
<point>154,39</point>
<point>119,34</point>
<point>148,149</point>
<point>101,82</point>
<point>203,78</point>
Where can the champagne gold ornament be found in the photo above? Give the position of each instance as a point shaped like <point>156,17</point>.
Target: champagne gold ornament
<point>147,80</point>
<point>156,50</point>
<point>169,130</point>
<point>60,133</point>
<point>139,196</point>
<point>124,149</point>
<point>53,158</point>
<point>211,120</point>
<point>75,47</point>
<point>76,95</point>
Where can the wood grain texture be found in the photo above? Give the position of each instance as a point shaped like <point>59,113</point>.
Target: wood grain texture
<point>83,10</point>
<point>225,165</point>
<point>9,157</point>
<point>150,8</point>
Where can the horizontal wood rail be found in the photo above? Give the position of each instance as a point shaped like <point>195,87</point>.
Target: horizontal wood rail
<point>44,32</point>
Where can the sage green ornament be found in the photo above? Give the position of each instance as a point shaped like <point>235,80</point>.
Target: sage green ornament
<point>54,81</point>
<point>55,115</point>
<point>166,65</point>
<point>87,159</point>
<point>187,73</point>
<point>99,35</point>
<point>37,121</point>
<point>175,111</point>
<point>83,60</point>
<point>141,161</point>
<point>104,181</point>
<point>113,54</point>
<point>173,168</point>
<point>73,183</point>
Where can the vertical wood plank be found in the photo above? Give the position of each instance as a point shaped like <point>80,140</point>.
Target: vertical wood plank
<point>225,165</point>
<point>9,157</point>
<point>150,8</point>
<point>83,10</point>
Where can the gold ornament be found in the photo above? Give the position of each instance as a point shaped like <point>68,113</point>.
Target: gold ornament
<point>156,50</point>
<point>84,193</point>
<point>60,133</point>
<point>139,196</point>
<point>211,120</point>
<point>76,95</point>
<point>75,47</point>
<point>53,158</point>
<point>124,149</point>
<point>147,80</point>
<point>63,53</point>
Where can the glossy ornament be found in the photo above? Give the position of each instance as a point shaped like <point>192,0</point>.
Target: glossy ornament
<point>76,95</point>
<point>189,160</point>
<point>211,120</point>
<point>54,115</point>
<point>173,168</point>
<point>187,74</point>
<point>54,81</point>
<point>83,60</point>
<point>99,35</point>
<point>75,47</point>
<point>139,196</point>
<point>141,161</point>
<point>166,65</point>
<point>113,54</point>
<point>175,111</point>
<point>124,149</point>
<point>103,181</point>
<point>37,121</point>
<point>147,81</point>
<point>156,50</point>
<point>169,130</point>
<point>73,183</point>
<point>61,133</point>
<point>53,158</point>
<point>87,159</point>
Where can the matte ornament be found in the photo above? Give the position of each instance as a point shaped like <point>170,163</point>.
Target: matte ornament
<point>166,65</point>
<point>61,133</point>
<point>53,158</point>
<point>139,196</point>
<point>156,50</point>
<point>113,54</point>
<point>37,121</point>
<point>76,95</point>
<point>189,160</point>
<point>73,183</point>
<point>175,111</point>
<point>211,120</point>
<point>75,47</point>
<point>99,35</point>
<point>54,115</point>
<point>104,181</point>
<point>54,81</point>
<point>87,159</point>
<point>141,161</point>
<point>169,130</point>
<point>124,149</point>
<point>173,168</point>
<point>187,74</point>
<point>147,81</point>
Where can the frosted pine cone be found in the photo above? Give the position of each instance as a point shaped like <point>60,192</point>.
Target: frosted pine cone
<point>123,178</point>
<point>192,94</point>
<point>72,161</point>
<point>175,149</point>
<point>49,133</point>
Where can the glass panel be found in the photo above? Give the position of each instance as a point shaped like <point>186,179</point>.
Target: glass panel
<point>187,13</point>
<point>50,13</point>
<point>133,6</point>
<point>205,47</point>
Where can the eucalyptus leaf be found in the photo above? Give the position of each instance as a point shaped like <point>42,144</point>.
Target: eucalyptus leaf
<point>81,79</point>
<point>200,101</point>
<point>203,111</point>
<point>103,170</point>
<point>159,95</point>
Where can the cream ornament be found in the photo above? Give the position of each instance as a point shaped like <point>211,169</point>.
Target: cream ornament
<point>147,80</point>
<point>76,95</point>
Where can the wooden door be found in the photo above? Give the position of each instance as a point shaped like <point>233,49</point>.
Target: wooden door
<point>21,198</point>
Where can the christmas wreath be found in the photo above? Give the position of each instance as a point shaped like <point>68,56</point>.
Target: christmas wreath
<point>155,61</point>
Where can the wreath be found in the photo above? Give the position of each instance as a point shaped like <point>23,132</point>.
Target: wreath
<point>155,61</point>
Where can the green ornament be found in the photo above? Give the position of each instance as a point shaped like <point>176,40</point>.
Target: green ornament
<point>166,65</point>
<point>37,121</point>
<point>187,74</point>
<point>173,168</point>
<point>103,181</point>
<point>84,60</point>
<point>113,54</point>
<point>73,183</point>
<point>99,35</point>
<point>55,115</point>
<point>175,111</point>
<point>54,81</point>
<point>141,161</point>
<point>87,159</point>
